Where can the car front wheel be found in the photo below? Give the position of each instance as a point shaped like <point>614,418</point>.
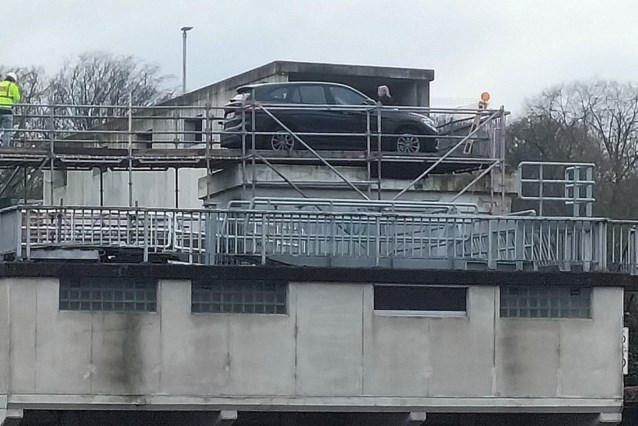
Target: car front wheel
<point>282,141</point>
<point>408,143</point>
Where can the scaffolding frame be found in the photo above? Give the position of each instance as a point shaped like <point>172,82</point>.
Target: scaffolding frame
<point>116,138</point>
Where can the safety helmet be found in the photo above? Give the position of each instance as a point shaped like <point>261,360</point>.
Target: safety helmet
<point>12,75</point>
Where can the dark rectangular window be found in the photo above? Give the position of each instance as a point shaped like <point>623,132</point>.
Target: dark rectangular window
<point>193,128</point>
<point>146,138</point>
<point>420,298</point>
<point>239,296</point>
<point>108,294</point>
<point>545,302</point>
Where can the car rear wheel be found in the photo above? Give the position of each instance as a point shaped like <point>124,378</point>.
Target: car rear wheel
<point>408,143</point>
<point>282,141</point>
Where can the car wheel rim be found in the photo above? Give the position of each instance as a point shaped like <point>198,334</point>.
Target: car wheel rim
<point>282,141</point>
<point>408,143</point>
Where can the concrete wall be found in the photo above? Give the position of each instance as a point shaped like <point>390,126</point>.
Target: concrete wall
<point>332,351</point>
<point>320,182</point>
<point>150,188</point>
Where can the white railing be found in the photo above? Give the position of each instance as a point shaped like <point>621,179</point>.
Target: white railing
<point>151,231</point>
<point>378,237</point>
<point>347,238</point>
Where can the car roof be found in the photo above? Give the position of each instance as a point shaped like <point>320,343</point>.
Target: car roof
<point>248,87</point>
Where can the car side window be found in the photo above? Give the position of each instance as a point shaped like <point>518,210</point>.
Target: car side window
<point>293,95</point>
<point>278,94</point>
<point>345,96</point>
<point>313,95</point>
<point>284,94</point>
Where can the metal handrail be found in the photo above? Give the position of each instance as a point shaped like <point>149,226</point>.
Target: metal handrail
<point>393,205</point>
<point>46,120</point>
<point>357,237</point>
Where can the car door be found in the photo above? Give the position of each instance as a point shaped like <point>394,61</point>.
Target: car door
<point>353,118</point>
<point>315,117</point>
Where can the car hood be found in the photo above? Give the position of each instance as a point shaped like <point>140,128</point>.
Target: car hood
<point>413,116</point>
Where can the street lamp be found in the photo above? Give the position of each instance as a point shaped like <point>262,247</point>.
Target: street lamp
<point>184,31</point>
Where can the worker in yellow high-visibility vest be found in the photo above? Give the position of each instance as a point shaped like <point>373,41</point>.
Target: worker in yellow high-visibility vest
<point>9,95</point>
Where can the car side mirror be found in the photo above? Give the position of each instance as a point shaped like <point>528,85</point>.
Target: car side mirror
<point>369,102</point>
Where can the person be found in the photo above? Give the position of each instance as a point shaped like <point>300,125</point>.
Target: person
<point>9,95</point>
<point>383,96</point>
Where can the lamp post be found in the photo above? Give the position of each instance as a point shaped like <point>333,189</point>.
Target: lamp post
<point>184,31</point>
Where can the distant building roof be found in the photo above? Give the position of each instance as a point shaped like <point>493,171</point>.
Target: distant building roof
<point>307,70</point>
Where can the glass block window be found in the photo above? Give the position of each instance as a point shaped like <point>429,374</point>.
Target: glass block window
<point>545,302</point>
<point>238,296</point>
<point>108,294</point>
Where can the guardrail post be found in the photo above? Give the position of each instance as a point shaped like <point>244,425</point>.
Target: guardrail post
<point>264,221</point>
<point>491,247</point>
<point>27,233</point>
<point>377,252</point>
<point>146,236</point>
<point>602,247</point>
<point>210,237</point>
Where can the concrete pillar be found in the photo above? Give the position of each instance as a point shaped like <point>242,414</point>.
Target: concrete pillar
<point>422,93</point>
<point>415,418</point>
<point>608,419</point>
<point>225,418</point>
<point>10,417</point>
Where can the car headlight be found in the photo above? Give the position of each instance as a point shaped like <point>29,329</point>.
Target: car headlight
<point>230,115</point>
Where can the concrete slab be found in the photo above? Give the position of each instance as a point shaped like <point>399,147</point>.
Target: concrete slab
<point>225,418</point>
<point>63,344</point>
<point>5,332</point>
<point>329,339</point>
<point>263,353</point>
<point>22,371</point>
<point>194,347</point>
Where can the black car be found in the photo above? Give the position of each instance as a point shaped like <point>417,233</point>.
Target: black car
<point>325,112</point>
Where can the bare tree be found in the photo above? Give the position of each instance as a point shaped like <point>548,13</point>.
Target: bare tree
<point>610,111</point>
<point>104,79</point>
<point>586,122</point>
<point>91,79</point>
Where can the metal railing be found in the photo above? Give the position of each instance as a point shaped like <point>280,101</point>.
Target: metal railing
<point>151,231</point>
<point>342,204</point>
<point>571,184</point>
<point>60,126</point>
<point>386,239</point>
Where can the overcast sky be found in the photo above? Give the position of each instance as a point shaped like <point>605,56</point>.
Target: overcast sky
<point>512,48</point>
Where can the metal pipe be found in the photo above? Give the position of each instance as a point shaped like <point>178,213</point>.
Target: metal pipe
<point>51,152</point>
<point>176,187</point>
<point>130,150</point>
<point>184,31</point>
<point>101,187</point>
